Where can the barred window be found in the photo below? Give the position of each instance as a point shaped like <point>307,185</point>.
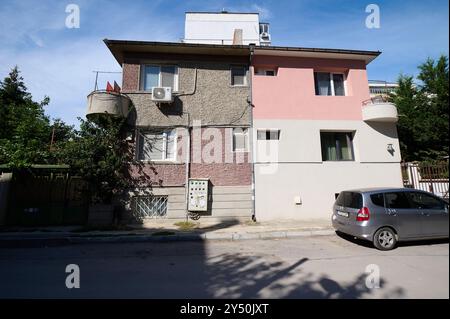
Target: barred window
<point>149,206</point>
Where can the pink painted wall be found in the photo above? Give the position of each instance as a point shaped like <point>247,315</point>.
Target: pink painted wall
<point>296,98</point>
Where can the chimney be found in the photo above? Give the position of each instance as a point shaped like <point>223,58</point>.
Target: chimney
<point>237,37</point>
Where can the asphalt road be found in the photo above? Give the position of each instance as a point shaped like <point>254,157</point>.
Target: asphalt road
<point>310,267</point>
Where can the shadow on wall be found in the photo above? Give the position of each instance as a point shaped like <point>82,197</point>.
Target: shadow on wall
<point>386,129</point>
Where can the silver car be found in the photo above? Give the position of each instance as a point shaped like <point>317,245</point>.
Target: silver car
<point>388,215</point>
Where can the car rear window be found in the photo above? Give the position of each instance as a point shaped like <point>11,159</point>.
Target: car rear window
<point>350,200</point>
<point>377,199</point>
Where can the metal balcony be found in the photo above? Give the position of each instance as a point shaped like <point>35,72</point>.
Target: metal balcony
<point>379,109</point>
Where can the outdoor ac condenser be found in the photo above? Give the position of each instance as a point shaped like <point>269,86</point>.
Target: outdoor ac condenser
<point>162,94</point>
<point>198,195</point>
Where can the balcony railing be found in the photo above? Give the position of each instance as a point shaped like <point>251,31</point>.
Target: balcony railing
<point>102,102</point>
<point>379,109</point>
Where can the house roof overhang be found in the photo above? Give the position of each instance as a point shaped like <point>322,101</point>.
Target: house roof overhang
<point>119,47</point>
<point>366,56</point>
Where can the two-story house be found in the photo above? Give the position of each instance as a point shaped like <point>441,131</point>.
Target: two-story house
<point>318,132</point>
<point>193,149</point>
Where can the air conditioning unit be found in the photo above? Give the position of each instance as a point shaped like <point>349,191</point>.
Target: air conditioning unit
<point>265,36</point>
<point>162,94</point>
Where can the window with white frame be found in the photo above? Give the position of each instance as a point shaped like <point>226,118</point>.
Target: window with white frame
<point>327,83</point>
<point>156,145</point>
<point>240,140</point>
<point>159,75</point>
<point>268,135</point>
<point>238,76</point>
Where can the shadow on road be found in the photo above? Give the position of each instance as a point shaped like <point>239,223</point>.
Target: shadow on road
<point>170,270</point>
<point>368,244</point>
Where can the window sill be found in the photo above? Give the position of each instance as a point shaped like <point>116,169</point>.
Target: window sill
<point>150,92</point>
<point>331,95</point>
<point>339,161</point>
<point>169,162</point>
<point>239,86</point>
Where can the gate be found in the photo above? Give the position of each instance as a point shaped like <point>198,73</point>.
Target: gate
<point>47,198</point>
<point>432,178</point>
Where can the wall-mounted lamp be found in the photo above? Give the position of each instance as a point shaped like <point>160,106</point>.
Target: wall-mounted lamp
<point>390,149</point>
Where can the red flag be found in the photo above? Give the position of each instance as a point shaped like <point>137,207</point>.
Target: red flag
<point>116,87</point>
<point>109,88</point>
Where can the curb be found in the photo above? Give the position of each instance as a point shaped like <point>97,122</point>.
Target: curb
<point>67,240</point>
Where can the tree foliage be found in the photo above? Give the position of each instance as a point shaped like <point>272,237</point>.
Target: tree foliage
<point>101,156</point>
<point>423,109</point>
<point>25,130</point>
<point>97,151</point>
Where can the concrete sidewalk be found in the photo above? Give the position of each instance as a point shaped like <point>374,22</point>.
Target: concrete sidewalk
<point>166,230</point>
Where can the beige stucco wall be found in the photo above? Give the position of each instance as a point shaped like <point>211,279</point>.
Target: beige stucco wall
<point>211,98</point>
<point>300,140</point>
<point>316,184</point>
<point>225,202</point>
<point>299,170</point>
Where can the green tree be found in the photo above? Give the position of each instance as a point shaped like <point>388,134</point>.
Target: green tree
<point>25,129</point>
<point>100,154</point>
<point>423,109</point>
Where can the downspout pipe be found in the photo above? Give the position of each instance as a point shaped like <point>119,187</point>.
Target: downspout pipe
<point>253,152</point>
<point>188,161</point>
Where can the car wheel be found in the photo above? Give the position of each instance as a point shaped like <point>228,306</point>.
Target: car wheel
<point>385,239</point>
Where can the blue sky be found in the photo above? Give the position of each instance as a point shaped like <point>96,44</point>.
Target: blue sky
<point>58,62</point>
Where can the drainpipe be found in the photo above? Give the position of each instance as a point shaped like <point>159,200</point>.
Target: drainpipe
<point>188,160</point>
<point>188,145</point>
<point>252,48</point>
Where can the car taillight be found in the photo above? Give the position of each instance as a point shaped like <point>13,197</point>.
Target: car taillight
<point>363,214</point>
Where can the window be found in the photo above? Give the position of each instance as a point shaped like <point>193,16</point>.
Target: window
<point>425,201</point>
<point>329,83</point>
<point>350,200</point>
<point>157,146</point>
<point>263,27</point>
<point>377,199</point>
<point>153,75</point>
<point>149,206</point>
<point>240,140</point>
<point>337,146</point>
<point>238,76</point>
<point>397,200</point>
<point>268,135</point>
<point>266,72</point>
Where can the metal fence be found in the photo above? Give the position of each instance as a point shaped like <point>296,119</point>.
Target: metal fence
<point>432,178</point>
<point>47,198</point>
